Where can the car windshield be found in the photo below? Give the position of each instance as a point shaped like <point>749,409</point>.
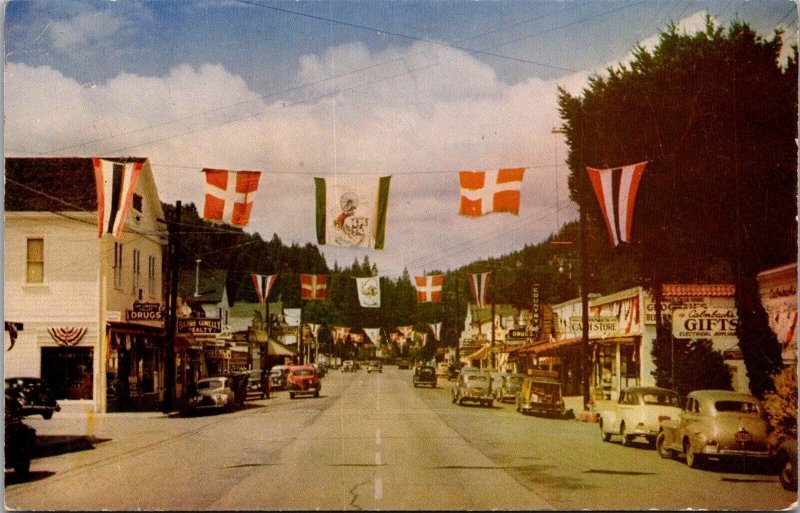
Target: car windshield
<point>661,398</point>
<point>736,406</point>
<point>209,384</point>
<point>304,372</point>
<point>477,377</point>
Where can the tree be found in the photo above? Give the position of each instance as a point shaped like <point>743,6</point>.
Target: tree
<point>715,116</point>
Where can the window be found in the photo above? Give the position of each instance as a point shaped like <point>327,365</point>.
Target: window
<point>68,371</point>
<point>118,265</point>
<point>137,202</point>
<point>35,261</point>
<point>151,276</point>
<point>136,269</point>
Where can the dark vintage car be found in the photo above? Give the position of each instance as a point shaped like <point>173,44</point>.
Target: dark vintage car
<point>303,379</point>
<point>425,375</point>
<point>216,393</point>
<point>473,387</point>
<point>403,363</point>
<point>786,458</point>
<point>715,424</point>
<point>509,387</point>
<point>258,383</point>
<point>277,377</point>
<point>32,395</point>
<point>20,440</point>
<point>541,394</point>
<point>374,366</point>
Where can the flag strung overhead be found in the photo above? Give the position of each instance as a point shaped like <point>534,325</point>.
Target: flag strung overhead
<point>313,286</point>
<point>490,191</point>
<point>351,211</point>
<point>314,329</point>
<point>115,183</point>
<point>369,291</point>
<point>405,333</point>
<point>263,284</point>
<point>229,195</point>
<point>436,328</point>
<point>340,333</point>
<point>373,334</point>
<point>616,192</point>
<point>429,288</point>
<point>479,285</point>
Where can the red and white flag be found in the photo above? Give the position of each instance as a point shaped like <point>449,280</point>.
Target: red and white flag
<point>340,333</point>
<point>616,192</point>
<point>490,191</point>
<point>313,286</point>
<point>429,288</point>
<point>405,332</point>
<point>436,328</point>
<point>479,285</point>
<point>314,329</point>
<point>229,195</point>
<point>115,183</point>
<point>263,284</point>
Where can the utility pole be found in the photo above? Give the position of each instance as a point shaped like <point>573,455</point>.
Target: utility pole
<point>458,336</point>
<point>585,366</point>
<point>173,256</point>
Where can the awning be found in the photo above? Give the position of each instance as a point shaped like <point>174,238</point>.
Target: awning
<point>132,328</point>
<point>570,343</point>
<point>275,348</point>
<point>480,354</point>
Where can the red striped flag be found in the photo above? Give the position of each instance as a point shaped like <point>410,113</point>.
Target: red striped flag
<point>429,288</point>
<point>263,285</point>
<point>616,189</point>
<point>115,183</point>
<point>479,285</point>
<point>313,286</point>
<point>490,191</point>
<point>229,195</point>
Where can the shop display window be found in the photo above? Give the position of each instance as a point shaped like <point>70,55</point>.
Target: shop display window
<point>69,371</point>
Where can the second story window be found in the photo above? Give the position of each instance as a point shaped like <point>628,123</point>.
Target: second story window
<point>136,269</point>
<point>35,261</point>
<point>118,265</point>
<point>151,276</point>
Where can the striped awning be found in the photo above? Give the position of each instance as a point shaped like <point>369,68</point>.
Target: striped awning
<point>480,354</point>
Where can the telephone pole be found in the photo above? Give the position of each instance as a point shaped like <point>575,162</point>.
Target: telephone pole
<point>173,261</point>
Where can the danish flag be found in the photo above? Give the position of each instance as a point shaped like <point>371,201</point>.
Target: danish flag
<point>263,285</point>
<point>616,189</point>
<point>490,191</point>
<point>429,288</point>
<point>229,195</point>
<point>479,285</point>
<point>313,286</point>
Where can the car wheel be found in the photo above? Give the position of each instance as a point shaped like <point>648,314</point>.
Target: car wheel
<point>603,435</point>
<point>693,460</point>
<point>787,472</point>
<point>460,401</point>
<point>47,415</point>
<point>316,392</point>
<point>661,447</point>
<point>291,395</point>
<point>626,439</point>
<point>23,468</point>
<point>490,403</point>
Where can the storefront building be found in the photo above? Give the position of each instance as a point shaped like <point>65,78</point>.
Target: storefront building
<point>778,290</point>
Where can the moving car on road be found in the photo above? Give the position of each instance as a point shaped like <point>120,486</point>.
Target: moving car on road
<point>348,366</point>
<point>32,395</point>
<point>509,387</point>
<point>541,394</point>
<point>374,366</point>
<point>639,412</point>
<point>425,375</point>
<point>442,369</point>
<point>258,383</point>
<point>277,377</point>
<point>216,393</point>
<point>303,379</point>
<point>475,387</point>
<point>715,424</point>
<point>403,363</point>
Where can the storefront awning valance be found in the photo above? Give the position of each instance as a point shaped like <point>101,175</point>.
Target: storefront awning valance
<point>130,328</point>
<point>275,348</point>
<point>480,354</point>
<point>552,347</point>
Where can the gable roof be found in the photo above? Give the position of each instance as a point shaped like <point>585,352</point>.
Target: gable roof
<point>698,290</point>
<point>52,184</point>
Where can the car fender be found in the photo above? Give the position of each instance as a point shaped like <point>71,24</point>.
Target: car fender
<point>610,421</point>
<point>670,430</point>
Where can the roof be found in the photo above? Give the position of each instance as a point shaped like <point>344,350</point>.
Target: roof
<point>698,290</point>
<point>52,184</point>
<point>211,286</point>
<point>485,314</point>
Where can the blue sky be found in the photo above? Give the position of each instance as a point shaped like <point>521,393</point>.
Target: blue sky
<point>415,89</point>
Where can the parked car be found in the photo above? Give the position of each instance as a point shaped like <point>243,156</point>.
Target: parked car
<point>425,375</point>
<point>639,412</point>
<point>277,377</point>
<point>32,395</point>
<point>442,369</point>
<point>509,387</point>
<point>541,394</point>
<point>348,366</point>
<point>403,363</point>
<point>20,440</point>
<point>474,387</point>
<point>497,382</point>
<point>321,369</point>
<point>258,383</point>
<point>715,424</point>
<point>374,366</point>
<point>303,379</point>
<point>786,458</point>
<point>215,393</point>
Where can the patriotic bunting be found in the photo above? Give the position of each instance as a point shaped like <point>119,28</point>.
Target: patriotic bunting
<point>436,329</point>
<point>67,336</point>
<point>263,284</point>
<point>357,338</point>
<point>616,192</point>
<point>373,334</point>
<point>369,291</point>
<point>115,183</point>
<point>229,195</point>
<point>313,286</point>
<point>479,285</point>
<point>429,288</point>
<point>490,191</point>
<point>351,212</point>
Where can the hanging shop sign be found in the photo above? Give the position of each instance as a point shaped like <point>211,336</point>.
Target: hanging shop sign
<point>219,354</point>
<point>535,308</point>
<point>145,312</point>
<point>519,334</point>
<point>194,326</point>
<point>599,327</point>
<point>704,322</point>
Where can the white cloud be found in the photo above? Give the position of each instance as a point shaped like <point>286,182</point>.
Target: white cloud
<point>84,29</point>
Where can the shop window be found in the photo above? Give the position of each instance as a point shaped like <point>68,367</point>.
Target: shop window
<point>35,261</point>
<point>68,371</point>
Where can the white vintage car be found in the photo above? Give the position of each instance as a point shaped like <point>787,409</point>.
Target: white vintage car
<point>638,414</point>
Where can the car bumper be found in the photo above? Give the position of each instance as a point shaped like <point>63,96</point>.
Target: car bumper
<point>552,409</point>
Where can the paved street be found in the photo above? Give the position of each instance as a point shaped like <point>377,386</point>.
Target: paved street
<point>370,442</point>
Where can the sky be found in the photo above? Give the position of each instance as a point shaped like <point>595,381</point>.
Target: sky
<point>418,90</point>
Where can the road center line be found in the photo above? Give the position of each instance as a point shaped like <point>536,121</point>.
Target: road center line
<point>378,488</point>
<point>377,437</point>
<point>378,458</point>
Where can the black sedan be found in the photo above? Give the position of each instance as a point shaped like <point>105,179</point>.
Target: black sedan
<point>425,375</point>
<point>32,395</point>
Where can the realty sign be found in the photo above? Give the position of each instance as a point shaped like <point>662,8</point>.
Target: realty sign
<point>199,326</point>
